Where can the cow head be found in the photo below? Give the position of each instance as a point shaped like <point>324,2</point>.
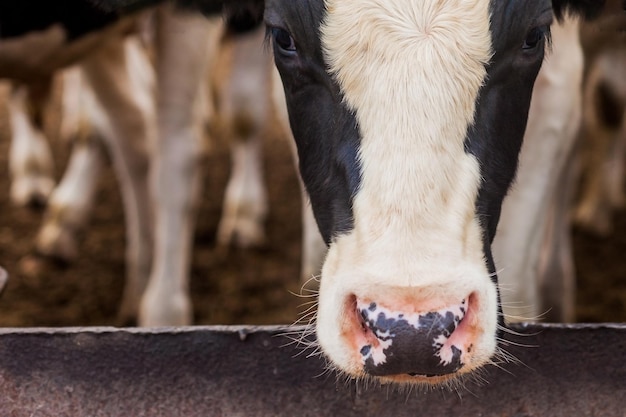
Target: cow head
<point>408,118</point>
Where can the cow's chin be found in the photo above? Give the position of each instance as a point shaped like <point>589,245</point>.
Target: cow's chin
<point>424,332</point>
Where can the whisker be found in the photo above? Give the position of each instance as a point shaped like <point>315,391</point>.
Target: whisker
<point>305,285</point>
<point>495,274</point>
<point>512,332</point>
<point>512,343</point>
<point>307,316</point>
<point>500,367</point>
<point>308,308</point>
<point>301,295</point>
<point>522,318</point>
<point>508,357</point>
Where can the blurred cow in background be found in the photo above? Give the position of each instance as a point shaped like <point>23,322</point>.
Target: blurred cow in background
<point>30,160</point>
<point>151,118</point>
<point>603,132</point>
<point>33,48</point>
<point>532,248</point>
<point>3,279</point>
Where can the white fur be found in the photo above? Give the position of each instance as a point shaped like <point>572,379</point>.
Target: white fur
<point>413,88</point>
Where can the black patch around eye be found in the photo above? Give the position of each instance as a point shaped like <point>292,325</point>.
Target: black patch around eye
<point>284,42</point>
<point>534,38</point>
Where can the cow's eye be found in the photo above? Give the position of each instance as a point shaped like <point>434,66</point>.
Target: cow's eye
<point>535,37</point>
<point>283,41</point>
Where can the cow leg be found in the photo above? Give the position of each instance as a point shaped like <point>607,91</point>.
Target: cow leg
<point>72,113</point>
<point>603,148</point>
<point>593,211</point>
<point>71,202</point>
<point>122,80</point>
<point>615,174</point>
<point>550,137</point>
<point>313,249</point>
<point>4,277</point>
<point>556,271</point>
<point>30,160</point>
<point>185,41</point>
<point>243,111</point>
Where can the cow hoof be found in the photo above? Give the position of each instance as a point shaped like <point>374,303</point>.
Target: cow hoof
<point>56,242</point>
<point>596,221</point>
<point>157,310</point>
<point>31,192</point>
<point>241,233</point>
<point>35,266</point>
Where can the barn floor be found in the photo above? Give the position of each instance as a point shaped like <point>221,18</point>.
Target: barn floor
<point>228,286</point>
<point>234,286</point>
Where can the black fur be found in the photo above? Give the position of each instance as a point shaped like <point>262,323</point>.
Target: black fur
<point>243,16</point>
<point>587,9</point>
<point>251,10</point>
<point>78,17</point>
<point>123,5</point>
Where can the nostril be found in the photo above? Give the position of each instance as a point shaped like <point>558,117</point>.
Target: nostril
<point>374,338</point>
<point>412,343</point>
<point>381,321</point>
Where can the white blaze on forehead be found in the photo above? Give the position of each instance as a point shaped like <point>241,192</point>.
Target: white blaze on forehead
<point>411,71</point>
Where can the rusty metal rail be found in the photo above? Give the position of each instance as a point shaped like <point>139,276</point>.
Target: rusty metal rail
<point>569,371</point>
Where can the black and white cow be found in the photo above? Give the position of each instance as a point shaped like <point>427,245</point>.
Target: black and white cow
<point>408,118</point>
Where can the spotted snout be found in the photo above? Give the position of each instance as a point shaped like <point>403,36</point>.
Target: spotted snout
<point>414,344</point>
<point>428,334</point>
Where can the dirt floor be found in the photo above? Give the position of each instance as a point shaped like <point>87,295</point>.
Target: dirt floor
<point>228,287</point>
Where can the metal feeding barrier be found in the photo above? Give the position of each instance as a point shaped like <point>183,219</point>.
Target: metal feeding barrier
<point>560,370</point>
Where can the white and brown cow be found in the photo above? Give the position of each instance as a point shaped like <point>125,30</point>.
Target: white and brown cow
<point>34,46</point>
<point>156,141</point>
<point>408,118</point>
<point>603,134</point>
